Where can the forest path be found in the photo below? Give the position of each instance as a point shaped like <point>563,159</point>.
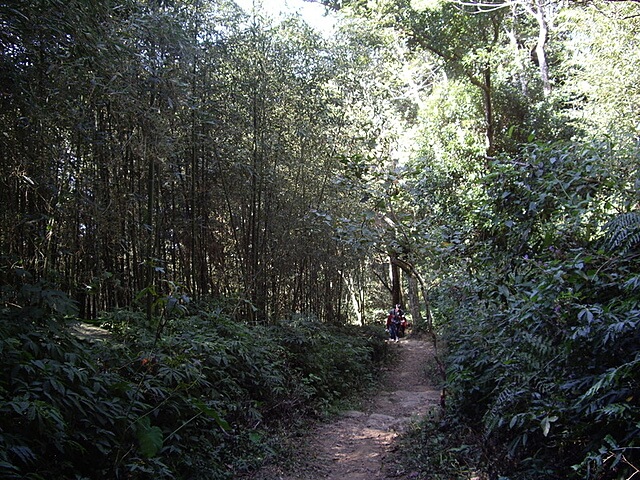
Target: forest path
<point>360,445</point>
<point>89,332</point>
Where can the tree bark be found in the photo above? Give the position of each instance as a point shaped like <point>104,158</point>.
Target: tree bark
<point>414,299</point>
<point>537,10</point>
<point>409,269</point>
<point>396,286</point>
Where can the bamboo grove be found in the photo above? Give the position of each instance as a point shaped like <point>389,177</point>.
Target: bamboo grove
<point>164,148</point>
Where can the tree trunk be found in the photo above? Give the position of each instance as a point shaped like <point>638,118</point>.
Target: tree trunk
<point>485,87</point>
<point>414,300</point>
<point>356,295</point>
<point>396,287</point>
<point>536,9</point>
<point>543,35</point>
<point>409,269</point>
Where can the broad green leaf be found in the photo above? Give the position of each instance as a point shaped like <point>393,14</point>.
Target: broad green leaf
<point>149,437</point>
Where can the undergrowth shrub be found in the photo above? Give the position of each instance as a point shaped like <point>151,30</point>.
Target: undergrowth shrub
<point>207,400</point>
<point>440,449</point>
<point>62,414</point>
<point>543,334</point>
<point>331,360</point>
<point>548,370</point>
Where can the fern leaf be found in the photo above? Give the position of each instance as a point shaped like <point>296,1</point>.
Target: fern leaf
<point>623,233</point>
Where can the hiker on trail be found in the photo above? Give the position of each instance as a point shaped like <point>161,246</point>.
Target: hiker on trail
<point>394,322</point>
<point>403,325</point>
<point>403,321</point>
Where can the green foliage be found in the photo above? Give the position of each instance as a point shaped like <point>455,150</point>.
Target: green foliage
<point>440,449</point>
<point>149,437</point>
<point>452,127</point>
<point>333,360</point>
<point>543,339</point>
<point>151,145</point>
<point>598,69</point>
<point>33,301</point>
<point>623,233</point>
<point>547,369</point>
<point>531,251</point>
<point>208,399</point>
<point>550,196</point>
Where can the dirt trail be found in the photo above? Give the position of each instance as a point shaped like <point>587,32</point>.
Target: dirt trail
<point>359,445</point>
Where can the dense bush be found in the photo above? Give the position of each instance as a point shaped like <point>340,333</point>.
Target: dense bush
<point>555,371</point>
<point>543,335</point>
<point>206,400</point>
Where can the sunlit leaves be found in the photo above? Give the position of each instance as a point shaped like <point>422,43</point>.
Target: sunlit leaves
<point>599,63</point>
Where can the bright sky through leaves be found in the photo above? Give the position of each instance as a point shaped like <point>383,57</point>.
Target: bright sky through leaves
<point>313,13</point>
